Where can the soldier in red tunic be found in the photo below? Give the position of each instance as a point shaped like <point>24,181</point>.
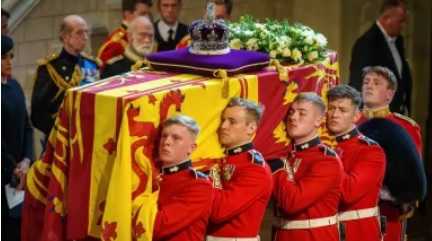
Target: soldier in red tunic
<point>186,195</point>
<point>246,183</point>
<point>378,89</point>
<point>364,166</point>
<point>115,44</point>
<point>307,184</point>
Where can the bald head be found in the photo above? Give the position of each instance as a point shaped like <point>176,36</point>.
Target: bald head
<point>138,23</point>
<point>74,34</point>
<point>141,35</point>
<point>69,23</point>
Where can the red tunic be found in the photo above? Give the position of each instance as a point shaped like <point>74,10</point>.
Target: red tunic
<point>240,205</point>
<point>184,206</point>
<point>392,212</point>
<point>364,167</point>
<point>313,192</point>
<point>114,45</point>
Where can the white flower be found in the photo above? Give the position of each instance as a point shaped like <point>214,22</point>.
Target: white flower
<point>296,55</point>
<point>260,26</point>
<point>286,52</point>
<point>321,40</point>
<point>312,56</point>
<point>252,44</point>
<point>285,41</point>
<point>248,33</point>
<point>236,44</point>
<point>309,40</point>
<point>273,54</point>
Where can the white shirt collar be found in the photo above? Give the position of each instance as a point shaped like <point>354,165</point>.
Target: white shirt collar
<point>387,37</point>
<point>164,28</point>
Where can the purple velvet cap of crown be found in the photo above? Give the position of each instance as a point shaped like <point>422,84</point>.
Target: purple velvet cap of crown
<point>181,60</point>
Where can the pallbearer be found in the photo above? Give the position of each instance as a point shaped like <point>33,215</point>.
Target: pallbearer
<point>364,166</point>
<point>307,184</point>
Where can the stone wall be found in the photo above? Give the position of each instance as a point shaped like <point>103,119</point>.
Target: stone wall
<point>341,21</point>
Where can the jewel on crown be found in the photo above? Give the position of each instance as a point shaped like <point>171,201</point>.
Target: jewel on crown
<point>209,36</point>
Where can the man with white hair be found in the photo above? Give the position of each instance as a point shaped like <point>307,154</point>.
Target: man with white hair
<point>141,43</point>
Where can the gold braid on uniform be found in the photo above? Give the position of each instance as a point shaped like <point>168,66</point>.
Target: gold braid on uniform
<point>139,64</point>
<point>60,82</point>
<point>377,113</point>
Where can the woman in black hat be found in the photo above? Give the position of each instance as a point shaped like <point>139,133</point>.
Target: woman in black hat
<point>16,141</point>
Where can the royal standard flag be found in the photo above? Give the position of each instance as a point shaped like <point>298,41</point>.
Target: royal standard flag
<point>95,178</point>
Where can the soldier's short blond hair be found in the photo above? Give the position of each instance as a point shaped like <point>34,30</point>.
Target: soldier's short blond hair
<point>183,120</point>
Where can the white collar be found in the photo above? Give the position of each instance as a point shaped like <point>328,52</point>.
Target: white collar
<point>386,36</point>
<point>165,27</point>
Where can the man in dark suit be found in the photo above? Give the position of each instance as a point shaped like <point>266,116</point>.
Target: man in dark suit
<point>168,30</point>
<point>383,45</point>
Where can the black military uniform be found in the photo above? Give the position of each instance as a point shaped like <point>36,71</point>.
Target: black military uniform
<point>182,30</point>
<point>54,76</point>
<point>126,62</point>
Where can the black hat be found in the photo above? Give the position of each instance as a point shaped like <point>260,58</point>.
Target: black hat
<point>7,44</point>
<point>405,175</point>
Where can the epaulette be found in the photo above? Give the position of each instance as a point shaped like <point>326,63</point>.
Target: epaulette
<point>199,175</point>
<point>256,157</point>
<point>114,59</point>
<point>47,59</point>
<point>406,118</point>
<point>367,140</point>
<point>276,165</point>
<point>327,150</point>
<point>118,35</point>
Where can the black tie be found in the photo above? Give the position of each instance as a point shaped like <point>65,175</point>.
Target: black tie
<point>170,35</point>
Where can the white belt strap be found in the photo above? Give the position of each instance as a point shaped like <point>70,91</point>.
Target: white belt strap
<point>359,214</point>
<point>213,238</point>
<point>307,223</point>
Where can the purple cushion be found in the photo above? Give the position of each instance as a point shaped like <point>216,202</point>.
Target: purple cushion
<point>180,60</point>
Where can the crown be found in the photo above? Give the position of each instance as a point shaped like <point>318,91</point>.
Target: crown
<point>209,36</point>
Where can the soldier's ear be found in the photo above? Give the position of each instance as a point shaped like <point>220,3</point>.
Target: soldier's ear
<point>252,127</point>
<point>357,115</point>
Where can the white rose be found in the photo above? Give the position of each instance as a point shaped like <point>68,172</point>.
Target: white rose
<point>321,40</point>
<point>236,44</point>
<point>286,52</point>
<point>296,54</point>
<point>309,40</point>
<point>312,56</point>
<point>260,26</point>
<point>252,44</point>
<point>285,41</point>
<point>273,54</point>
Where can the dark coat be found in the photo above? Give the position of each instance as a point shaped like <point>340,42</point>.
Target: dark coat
<point>371,49</point>
<point>182,30</point>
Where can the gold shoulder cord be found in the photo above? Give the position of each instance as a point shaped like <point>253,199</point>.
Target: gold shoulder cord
<point>139,64</point>
<point>60,82</point>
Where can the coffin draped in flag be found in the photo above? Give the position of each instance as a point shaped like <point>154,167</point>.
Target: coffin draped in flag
<point>95,177</point>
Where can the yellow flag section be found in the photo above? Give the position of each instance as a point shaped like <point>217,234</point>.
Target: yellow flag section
<point>130,206</point>
<point>119,207</point>
<point>103,156</point>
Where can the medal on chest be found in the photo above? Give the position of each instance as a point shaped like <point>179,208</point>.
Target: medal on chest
<point>228,171</point>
